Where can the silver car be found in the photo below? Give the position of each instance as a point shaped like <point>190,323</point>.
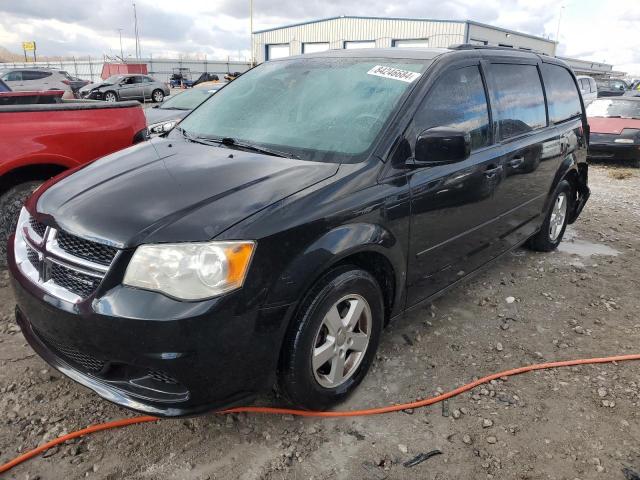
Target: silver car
<point>38,79</point>
<point>126,87</point>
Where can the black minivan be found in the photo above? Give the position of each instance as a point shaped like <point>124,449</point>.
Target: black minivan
<point>269,237</point>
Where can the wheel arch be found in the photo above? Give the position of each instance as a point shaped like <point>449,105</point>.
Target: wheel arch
<point>368,246</point>
<point>43,170</point>
<point>577,175</point>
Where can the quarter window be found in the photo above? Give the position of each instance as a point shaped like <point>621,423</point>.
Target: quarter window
<point>457,100</point>
<point>518,99</point>
<point>562,96</point>
<point>13,77</point>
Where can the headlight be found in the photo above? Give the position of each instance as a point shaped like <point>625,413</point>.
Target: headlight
<point>190,271</point>
<point>162,127</point>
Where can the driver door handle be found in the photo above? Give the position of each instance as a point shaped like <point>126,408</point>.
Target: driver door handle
<point>516,162</point>
<point>492,171</point>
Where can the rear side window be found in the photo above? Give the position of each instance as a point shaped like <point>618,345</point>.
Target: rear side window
<point>34,75</point>
<point>518,99</point>
<point>584,85</point>
<point>457,100</point>
<point>562,96</point>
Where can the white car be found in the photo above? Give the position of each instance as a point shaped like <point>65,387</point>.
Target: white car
<point>588,89</point>
<point>38,79</point>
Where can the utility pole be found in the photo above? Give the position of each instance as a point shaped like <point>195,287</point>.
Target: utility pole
<point>559,20</point>
<point>135,26</point>
<point>251,30</point>
<point>121,52</point>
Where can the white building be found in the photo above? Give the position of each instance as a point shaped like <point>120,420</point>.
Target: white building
<point>369,32</point>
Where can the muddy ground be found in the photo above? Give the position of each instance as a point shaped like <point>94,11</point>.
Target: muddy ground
<point>574,423</point>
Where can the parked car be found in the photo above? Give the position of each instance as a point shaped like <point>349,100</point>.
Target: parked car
<point>126,87</point>
<point>180,77</point>
<point>275,231</point>
<point>4,87</point>
<point>588,89</point>
<point>634,89</point>
<point>615,129</point>
<point>41,141</point>
<point>163,117</point>
<point>38,79</point>
<point>611,87</point>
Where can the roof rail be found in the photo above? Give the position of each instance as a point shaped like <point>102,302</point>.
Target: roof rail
<point>471,46</point>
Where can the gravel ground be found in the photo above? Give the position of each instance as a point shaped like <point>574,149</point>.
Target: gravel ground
<point>573,423</point>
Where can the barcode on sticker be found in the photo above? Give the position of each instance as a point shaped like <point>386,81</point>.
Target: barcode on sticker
<point>394,73</point>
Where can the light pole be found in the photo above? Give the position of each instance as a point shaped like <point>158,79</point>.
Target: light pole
<point>121,52</point>
<point>251,29</point>
<point>135,24</point>
<point>559,20</point>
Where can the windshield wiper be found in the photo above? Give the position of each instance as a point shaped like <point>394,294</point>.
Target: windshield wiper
<point>232,142</point>
<point>191,138</point>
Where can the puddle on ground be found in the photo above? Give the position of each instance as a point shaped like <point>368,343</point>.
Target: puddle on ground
<point>575,246</point>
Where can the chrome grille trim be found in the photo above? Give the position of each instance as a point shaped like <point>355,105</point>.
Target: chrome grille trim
<point>54,249</point>
<point>28,244</point>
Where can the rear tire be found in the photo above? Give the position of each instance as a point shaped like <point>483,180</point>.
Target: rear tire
<point>555,222</point>
<point>333,341</point>
<point>10,205</point>
<point>157,96</point>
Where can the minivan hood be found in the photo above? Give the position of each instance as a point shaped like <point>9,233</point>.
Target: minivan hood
<point>171,190</point>
<point>156,115</point>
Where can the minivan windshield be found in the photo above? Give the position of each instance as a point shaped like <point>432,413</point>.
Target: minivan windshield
<point>322,109</point>
<point>614,108</point>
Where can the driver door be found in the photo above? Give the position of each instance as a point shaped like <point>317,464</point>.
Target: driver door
<point>453,205</point>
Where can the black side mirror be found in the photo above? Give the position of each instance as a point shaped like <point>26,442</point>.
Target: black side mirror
<point>441,145</point>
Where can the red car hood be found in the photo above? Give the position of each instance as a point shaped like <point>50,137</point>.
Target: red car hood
<point>612,125</point>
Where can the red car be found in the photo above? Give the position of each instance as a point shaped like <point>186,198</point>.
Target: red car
<point>615,129</point>
<point>39,141</point>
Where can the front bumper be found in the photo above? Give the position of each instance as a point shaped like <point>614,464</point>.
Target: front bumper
<point>91,95</point>
<point>615,151</point>
<point>152,354</point>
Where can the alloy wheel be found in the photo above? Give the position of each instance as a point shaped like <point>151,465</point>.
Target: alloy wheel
<point>341,341</point>
<point>558,216</point>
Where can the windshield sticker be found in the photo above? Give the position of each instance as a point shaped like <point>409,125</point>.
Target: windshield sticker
<point>393,73</point>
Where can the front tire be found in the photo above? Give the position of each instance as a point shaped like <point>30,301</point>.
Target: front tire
<point>331,344</point>
<point>555,222</point>
<point>10,205</point>
<point>157,96</point>
<point>110,97</point>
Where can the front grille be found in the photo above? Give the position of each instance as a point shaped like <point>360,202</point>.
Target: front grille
<point>76,282</point>
<point>32,255</point>
<point>85,249</point>
<point>37,227</point>
<point>162,377</point>
<point>72,354</point>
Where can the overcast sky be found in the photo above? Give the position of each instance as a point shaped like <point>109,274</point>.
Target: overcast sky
<point>591,29</point>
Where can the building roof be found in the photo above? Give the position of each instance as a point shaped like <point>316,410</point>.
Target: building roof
<point>469,22</point>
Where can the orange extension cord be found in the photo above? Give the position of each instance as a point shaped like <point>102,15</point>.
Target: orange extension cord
<point>305,413</point>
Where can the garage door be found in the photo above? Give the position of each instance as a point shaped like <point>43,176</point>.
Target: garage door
<point>315,47</point>
<point>277,51</point>
<point>411,43</point>
<point>350,45</point>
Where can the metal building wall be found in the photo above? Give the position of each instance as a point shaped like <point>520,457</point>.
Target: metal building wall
<point>339,30</point>
<point>497,36</point>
